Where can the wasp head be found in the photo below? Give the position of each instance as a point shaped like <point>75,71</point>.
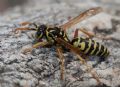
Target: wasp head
<point>40,32</point>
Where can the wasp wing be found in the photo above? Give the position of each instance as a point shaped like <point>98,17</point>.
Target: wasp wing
<point>81,17</point>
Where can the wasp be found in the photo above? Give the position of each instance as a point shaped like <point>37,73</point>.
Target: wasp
<point>56,36</point>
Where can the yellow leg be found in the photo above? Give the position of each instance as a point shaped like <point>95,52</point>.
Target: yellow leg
<point>35,46</point>
<point>61,57</point>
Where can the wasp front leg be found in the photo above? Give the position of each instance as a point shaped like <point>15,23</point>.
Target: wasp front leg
<point>26,50</point>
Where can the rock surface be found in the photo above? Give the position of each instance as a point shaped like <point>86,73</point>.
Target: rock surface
<point>41,68</point>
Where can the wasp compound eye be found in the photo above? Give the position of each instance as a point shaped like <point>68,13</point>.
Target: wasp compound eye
<point>42,28</point>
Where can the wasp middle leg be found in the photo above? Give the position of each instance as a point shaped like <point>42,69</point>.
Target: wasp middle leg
<point>61,57</point>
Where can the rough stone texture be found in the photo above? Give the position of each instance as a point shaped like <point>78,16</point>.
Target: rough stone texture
<point>41,68</point>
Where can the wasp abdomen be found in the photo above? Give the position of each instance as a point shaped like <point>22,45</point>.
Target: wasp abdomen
<point>90,47</point>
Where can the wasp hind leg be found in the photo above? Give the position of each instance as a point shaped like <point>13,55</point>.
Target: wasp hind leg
<point>91,34</point>
<point>89,69</point>
<point>83,30</point>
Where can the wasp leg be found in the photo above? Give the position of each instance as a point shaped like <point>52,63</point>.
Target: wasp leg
<point>89,69</point>
<point>83,30</point>
<point>91,35</point>
<point>79,54</point>
<point>22,29</point>
<point>61,57</point>
<point>26,50</point>
<point>25,23</point>
<point>17,30</point>
<point>76,33</point>
<point>28,23</point>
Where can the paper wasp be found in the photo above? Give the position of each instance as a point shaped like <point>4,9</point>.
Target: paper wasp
<point>56,36</point>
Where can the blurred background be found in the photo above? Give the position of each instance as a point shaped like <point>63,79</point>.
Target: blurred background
<point>12,9</point>
<point>8,4</point>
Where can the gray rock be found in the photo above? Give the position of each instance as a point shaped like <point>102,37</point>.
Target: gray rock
<point>41,67</point>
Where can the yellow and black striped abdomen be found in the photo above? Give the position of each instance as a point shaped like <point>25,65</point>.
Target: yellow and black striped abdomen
<point>90,47</point>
